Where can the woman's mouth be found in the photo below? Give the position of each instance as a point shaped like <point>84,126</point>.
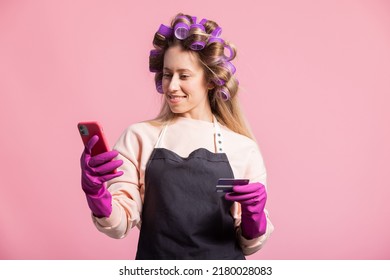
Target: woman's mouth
<point>176,98</point>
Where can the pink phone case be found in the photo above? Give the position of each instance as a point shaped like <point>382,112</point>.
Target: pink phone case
<point>89,129</point>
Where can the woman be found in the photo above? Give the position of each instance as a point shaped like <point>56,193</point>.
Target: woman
<point>168,168</point>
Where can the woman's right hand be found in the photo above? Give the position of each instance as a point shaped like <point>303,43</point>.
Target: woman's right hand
<point>95,171</point>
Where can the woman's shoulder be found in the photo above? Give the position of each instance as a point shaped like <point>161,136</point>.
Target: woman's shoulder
<point>142,131</point>
<point>147,126</point>
<point>238,140</point>
<point>137,141</point>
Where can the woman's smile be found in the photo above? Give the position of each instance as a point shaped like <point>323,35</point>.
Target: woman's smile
<point>175,99</point>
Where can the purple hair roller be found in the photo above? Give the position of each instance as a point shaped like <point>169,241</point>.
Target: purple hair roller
<point>216,40</point>
<point>224,94</point>
<point>181,30</point>
<point>197,25</point>
<point>230,57</point>
<point>153,70</point>
<point>219,82</point>
<point>217,32</point>
<point>159,86</point>
<point>165,31</point>
<point>155,52</point>
<point>197,46</point>
<point>230,66</point>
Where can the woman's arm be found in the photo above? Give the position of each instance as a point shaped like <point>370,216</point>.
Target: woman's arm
<point>125,190</point>
<point>255,170</point>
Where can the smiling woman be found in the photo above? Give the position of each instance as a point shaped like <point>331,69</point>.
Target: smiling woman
<point>184,84</point>
<point>205,48</point>
<point>169,167</point>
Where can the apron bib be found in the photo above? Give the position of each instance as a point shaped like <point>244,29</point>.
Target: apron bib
<point>183,217</point>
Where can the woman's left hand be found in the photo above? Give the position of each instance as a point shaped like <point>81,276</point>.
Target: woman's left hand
<point>252,198</point>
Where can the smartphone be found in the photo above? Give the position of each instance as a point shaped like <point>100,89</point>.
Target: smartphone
<point>89,129</point>
<point>226,184</point>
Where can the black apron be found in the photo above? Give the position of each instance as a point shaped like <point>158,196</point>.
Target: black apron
<point>183,217</point>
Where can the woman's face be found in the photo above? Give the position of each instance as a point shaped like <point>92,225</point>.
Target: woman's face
<point>184,84</point>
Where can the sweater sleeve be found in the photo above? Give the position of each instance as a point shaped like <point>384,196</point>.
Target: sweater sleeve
<point>256,172</point>
<point>126,189</point>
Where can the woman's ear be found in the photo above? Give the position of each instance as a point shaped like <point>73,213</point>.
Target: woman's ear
<point>210,85</point>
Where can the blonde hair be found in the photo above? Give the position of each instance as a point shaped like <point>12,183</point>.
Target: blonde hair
<point>213,60</point>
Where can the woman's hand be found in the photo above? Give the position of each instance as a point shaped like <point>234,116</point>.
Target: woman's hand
<point>252,198</point>
<point>95,171</point>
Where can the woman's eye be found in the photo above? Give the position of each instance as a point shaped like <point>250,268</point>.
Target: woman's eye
<point>184,76</point>
<point>166,75</point>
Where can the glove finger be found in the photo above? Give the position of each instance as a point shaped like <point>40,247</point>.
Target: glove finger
<point>91,180</point>
<point>95,181</point>
<point>85,157</point>
<point>259,200</point>
<point>111,176</point>
<point>253,187</point>
<point>102,158</point>
<point>107,167</point>
<point>91,143</point>
<point>240,197</point>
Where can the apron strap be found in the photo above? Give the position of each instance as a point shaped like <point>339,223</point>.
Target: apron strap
<point>161,136</point>
<point>218,138</point>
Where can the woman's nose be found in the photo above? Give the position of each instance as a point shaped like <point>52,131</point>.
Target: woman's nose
<point>173,84</point>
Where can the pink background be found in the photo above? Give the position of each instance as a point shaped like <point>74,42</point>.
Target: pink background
<point>315,87</point>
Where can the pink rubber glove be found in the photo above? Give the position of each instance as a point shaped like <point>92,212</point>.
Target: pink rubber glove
<point>252,198</point>
<point>95,171</point>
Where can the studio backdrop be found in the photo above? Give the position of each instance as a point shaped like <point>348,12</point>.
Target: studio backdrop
<point>314,85</point>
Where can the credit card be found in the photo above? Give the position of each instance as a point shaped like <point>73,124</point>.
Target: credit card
<point>226,184</point>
